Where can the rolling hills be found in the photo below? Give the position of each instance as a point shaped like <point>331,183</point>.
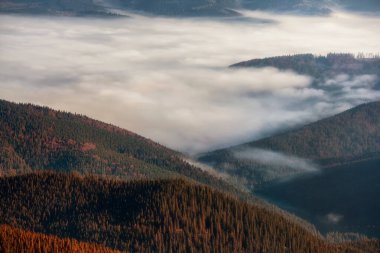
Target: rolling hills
<point>152,216</point>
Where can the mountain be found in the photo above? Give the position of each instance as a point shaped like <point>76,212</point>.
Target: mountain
<point>105,7</point>
<point>18,240</point>
<point>310,7</point>
<point>361,6</point>
<point>349,136</point>
<point>152,216</point>
<point>38,138</point>
<point>184,8</point>
<point>324,69</point>
<point>325,172</point>
<point>53,7</point>
<point>293,6</point>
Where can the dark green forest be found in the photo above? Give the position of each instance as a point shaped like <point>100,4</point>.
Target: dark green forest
<point>152,216</point>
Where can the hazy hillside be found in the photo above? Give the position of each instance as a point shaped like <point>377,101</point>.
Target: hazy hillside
<point>151,216</point>
<point>351,135</point>
<point>33,137</point>
<point>182,7</point>
<point>295,6</point>
<point>321,7</point>
<point>17,240</point>
<point>101,7</point>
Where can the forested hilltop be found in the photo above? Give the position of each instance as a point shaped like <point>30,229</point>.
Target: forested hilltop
<point>151,216</point>
<point>33,137</point>
<point>349,136</point>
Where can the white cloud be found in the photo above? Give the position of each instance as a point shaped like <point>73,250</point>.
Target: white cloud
<point>276,159</point>
<point>348,82</point>
<point>334,218</point>
<point>165,78</point>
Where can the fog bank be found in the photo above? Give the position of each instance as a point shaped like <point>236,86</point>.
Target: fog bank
<point>166,78</point>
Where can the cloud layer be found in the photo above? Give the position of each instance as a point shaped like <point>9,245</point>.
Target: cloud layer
<point>166,78</point>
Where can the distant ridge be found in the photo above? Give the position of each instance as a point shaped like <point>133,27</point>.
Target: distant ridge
<point>321,68</point>
<point>183,8</point>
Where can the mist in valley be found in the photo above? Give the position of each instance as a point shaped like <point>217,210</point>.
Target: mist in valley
<point>168,78</point>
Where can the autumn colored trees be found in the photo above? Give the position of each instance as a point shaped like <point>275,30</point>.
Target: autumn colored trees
<point>152,216</point>
<point>13,240</point>
<point>34,138</point>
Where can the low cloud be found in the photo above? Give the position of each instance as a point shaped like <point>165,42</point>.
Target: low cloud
<point>334,218</point>
<point>275,159</point>
<point>346,81</point>
<point>166,78</point>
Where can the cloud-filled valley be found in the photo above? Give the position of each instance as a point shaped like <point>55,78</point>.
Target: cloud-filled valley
<point>167,78</point>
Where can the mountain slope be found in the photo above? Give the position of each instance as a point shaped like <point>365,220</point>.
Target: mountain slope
<point>18,240</point>
<point>151,216</point>
<point>33,137</point>
<point>349,136</point>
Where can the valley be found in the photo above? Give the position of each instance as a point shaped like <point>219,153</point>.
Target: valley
<point>243,126</point>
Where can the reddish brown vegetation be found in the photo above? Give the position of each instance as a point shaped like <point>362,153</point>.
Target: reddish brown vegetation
<point>88,146</point>
<point>13,240</point>
<point>153,216</point>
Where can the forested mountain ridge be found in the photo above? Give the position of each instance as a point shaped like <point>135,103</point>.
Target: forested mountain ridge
<point>321,68</point>
<point>152,216</point>
<point>346,137</point>
<point>33,137</point>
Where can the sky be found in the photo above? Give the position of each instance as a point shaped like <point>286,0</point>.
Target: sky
<point>168,78</point>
